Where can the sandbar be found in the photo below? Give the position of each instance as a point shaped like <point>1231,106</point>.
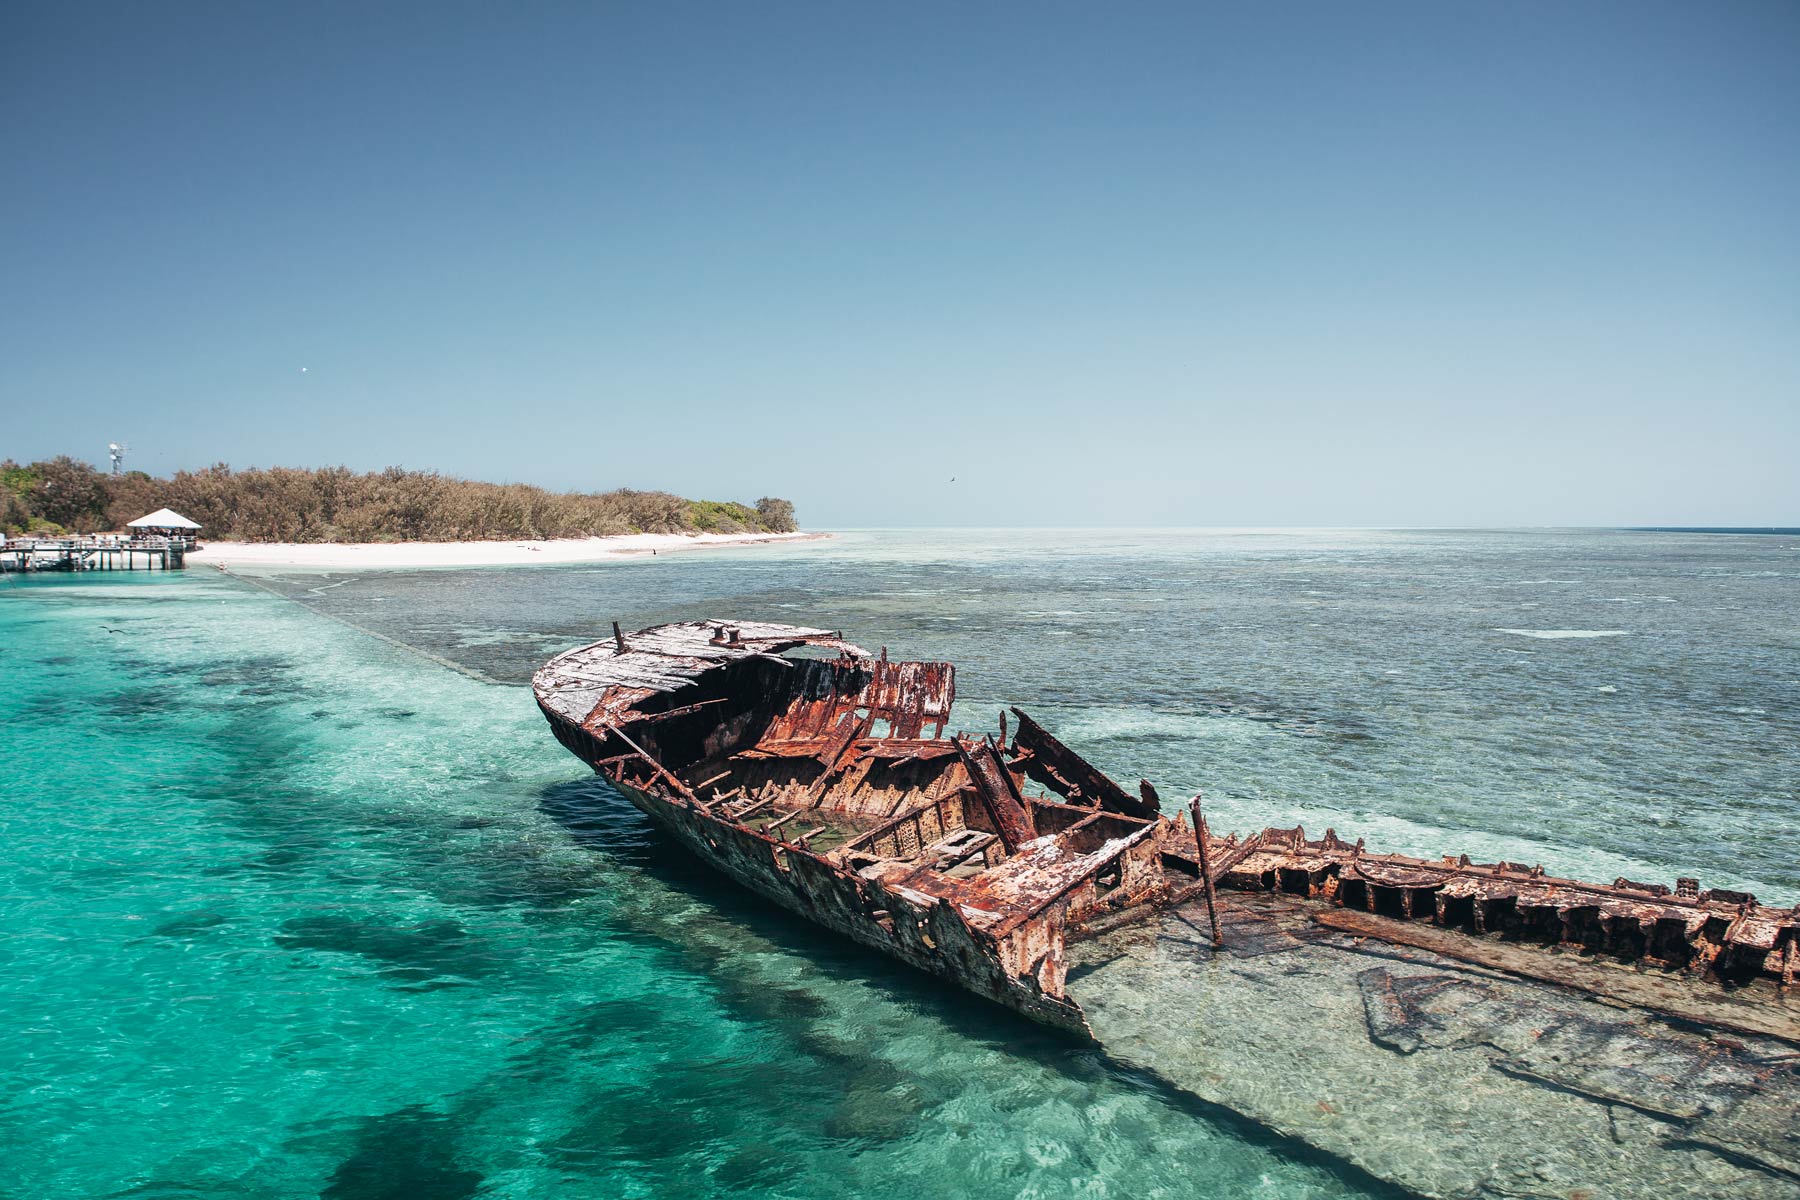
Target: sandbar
<point>359,556</point>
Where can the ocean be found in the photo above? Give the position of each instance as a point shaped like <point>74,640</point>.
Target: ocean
<point>303,900</point>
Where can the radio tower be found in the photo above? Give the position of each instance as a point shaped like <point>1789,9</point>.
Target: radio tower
<point>116,452</point>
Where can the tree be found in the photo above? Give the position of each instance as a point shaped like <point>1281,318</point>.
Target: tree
<point>71,494</point>
<point>16,479</point>
<point>336,504</point>
<point>777,515</point>
<point>14,516</point>
<point>130,496</point>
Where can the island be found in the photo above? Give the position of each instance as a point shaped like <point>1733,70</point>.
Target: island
<point>332,516</point>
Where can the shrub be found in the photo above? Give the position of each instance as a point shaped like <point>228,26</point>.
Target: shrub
<point>335,504</point>
<point>777,516</point>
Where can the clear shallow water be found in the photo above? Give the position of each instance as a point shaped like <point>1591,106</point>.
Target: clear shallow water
<point>290,910</point>
<point>1606,703</point>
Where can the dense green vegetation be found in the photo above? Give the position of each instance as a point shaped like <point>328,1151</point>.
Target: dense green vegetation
<point>335,504</point>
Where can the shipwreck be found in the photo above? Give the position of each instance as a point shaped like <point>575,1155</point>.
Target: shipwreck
<point>1457,1028</point>
<point>831,783</point>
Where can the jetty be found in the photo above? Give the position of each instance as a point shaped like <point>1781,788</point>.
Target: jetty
<point>158,541</point>
<point>95,553</point>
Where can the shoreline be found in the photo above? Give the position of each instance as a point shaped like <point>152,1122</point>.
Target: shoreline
<point>499,553</point>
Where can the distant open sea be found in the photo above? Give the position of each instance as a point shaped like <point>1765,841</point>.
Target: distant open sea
<point>294,910</point>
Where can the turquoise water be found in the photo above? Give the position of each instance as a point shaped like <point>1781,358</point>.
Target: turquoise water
<point>1606,703</point>
<point>292,911</point>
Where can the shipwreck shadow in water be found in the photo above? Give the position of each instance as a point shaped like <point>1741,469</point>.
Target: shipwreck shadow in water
<point>409,1153</point>
<point>600,818</point>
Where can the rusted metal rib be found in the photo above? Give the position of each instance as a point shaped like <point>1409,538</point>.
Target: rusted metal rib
<point>662,772</point>
<point>994,784</point>
<point>1057,767</point>
<point>1719,931</point>
<point>837,755</point>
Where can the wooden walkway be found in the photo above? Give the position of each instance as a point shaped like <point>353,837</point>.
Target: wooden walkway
<point>94,553</point>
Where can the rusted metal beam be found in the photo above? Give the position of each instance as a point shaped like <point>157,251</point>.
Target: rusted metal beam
<point>1052,762</point>
<point>987,771</point>
<point>1206,875</point>
<point>667,714</point>
<point>1236,855</point>
<point>661,771</point>
<point>836,755</point>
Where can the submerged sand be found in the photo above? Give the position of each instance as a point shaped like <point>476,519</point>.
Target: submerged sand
<point>1450,1080</point>
<point>378,555</point>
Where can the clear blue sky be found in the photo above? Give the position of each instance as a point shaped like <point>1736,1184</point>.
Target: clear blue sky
<point>1335,263</point>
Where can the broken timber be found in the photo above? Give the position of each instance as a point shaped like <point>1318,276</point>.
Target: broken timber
<point>928,847</point>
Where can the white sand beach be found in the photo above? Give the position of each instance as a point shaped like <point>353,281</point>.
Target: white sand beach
<point>331,556</point>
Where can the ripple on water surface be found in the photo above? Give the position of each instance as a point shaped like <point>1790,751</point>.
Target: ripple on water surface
<point>1394,684</point>
<point>292,912</point>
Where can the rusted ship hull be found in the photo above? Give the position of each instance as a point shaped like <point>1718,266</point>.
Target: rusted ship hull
<point>943,947</point>
<point>832,787</point>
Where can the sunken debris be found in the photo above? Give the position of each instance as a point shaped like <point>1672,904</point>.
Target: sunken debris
<point>831,784</point>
